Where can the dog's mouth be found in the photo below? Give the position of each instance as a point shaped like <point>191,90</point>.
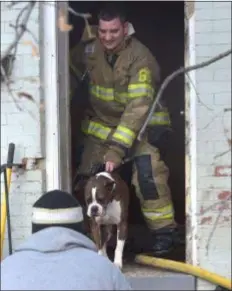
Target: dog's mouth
<point>99,214</point>
<point>96,211</point>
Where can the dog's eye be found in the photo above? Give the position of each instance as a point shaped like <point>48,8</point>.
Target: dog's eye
<point>100,199</point>
<point>88,199</point>
<point>109,187</point>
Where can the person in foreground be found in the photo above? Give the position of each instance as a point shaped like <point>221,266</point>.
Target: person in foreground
<point>58,255</point>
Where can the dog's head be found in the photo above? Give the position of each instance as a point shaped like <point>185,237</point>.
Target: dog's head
<point>99,192</point>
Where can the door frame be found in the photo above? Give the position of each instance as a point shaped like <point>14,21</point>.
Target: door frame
<point>58,128</point>
<point>54,72</point>
<point>190,137</point>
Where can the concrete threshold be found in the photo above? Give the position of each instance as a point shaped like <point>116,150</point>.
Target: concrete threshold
<point>147,278</point>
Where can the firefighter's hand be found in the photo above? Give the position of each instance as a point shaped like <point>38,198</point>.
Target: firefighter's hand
<point>112,160</point>
<point>110,166</point>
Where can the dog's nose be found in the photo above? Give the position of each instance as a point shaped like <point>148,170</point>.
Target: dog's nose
<point>94,210</point>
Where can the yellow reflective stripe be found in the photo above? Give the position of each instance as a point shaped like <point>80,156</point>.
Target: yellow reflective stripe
<point>164,209</point>
<point>124,135</point>
<point>134,91</point>
<point>96,129</point>
<point>160,118</point>
<point>140,90</point>
<point>152,217</point>
<point>105,94</point>
<point>165,212</point>
<point>121,97</point>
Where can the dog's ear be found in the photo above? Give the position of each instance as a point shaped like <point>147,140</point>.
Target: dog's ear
<point>80,181</point>
<point>109,185</point>
<point>78,192</point>
<point>80,185</point>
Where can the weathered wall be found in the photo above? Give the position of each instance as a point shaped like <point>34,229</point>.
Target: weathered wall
<point>213,112</point>
<point>22,127</point>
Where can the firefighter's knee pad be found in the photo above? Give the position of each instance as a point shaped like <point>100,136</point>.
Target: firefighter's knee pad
<point>144,180</point>
<point>159,136</point>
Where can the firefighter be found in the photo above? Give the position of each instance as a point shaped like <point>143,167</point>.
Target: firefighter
<point>123,78</point>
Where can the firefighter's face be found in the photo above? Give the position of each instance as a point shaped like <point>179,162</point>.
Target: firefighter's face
<point>111,33</point>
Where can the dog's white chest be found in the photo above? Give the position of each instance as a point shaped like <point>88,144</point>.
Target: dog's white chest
<point>112,215</point>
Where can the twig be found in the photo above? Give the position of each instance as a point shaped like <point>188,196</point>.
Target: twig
<point>197,94</point>
<point>72,11</point>
<point>20,28</point>
<point>19,35</point>
<point>215,224</point>
<point>78,14</point>
<point>26,30</point>
<point>170,78</point>
<point>222,154</point>
<point>13,3</point>
<point>7,82</point>
<point>211,120</point>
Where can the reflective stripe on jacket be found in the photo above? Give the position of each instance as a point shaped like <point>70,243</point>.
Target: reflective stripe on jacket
<point>121,95</point>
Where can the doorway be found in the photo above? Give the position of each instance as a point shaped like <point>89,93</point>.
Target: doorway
<point>160,26</point>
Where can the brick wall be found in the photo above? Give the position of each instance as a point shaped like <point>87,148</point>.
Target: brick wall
<point>21,127</point>
<point>213,84</point>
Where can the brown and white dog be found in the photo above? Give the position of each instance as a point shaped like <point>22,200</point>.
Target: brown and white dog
<point>107,201</point>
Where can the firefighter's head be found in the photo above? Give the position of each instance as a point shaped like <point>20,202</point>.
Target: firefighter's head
<point>112,26</point>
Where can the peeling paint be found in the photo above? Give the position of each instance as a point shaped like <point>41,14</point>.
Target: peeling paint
<point>224,195</point>
<point>206,220</point>
<point>215,207</point>
<point>222,221</point>
<point>222,171</point>
<point>223,207</point>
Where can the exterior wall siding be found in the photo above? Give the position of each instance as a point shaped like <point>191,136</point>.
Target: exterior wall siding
<point>22,127</point>
<point>213,112</point>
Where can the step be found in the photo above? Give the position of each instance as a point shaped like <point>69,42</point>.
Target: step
<point>147,278</point>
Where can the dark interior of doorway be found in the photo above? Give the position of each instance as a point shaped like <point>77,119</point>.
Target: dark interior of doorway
<point>160,26</point>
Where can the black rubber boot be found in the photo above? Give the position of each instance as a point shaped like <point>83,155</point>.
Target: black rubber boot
<point>164,241</point>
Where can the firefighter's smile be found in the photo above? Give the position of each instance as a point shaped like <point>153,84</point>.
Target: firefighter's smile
<point>110,43</point>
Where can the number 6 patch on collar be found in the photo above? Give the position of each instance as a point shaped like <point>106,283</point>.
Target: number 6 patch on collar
<point>145,75</point>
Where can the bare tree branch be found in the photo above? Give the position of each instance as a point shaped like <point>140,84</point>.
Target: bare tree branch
<point>173,76</point>
<point>78,14</point>
<point>223,203</point>
<point>26,29</point>
<point>22,27</point>
<point>7,82</point>
<point>197,94</point>
<point>13,3</point>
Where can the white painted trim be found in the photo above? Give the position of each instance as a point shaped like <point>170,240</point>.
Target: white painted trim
<point>193,138</point>
<point>50,89</point>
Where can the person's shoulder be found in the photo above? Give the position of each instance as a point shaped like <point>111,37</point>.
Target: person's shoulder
<point>142,57</point>
<point>139,49</point>
<point>91,47</point>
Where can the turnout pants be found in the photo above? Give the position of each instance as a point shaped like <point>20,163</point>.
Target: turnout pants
<point>150,178</point>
